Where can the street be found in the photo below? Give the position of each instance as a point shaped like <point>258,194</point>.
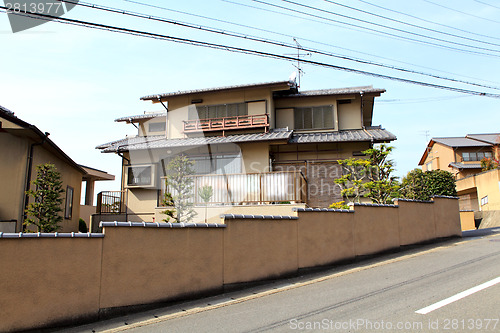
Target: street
<point>448,287</point>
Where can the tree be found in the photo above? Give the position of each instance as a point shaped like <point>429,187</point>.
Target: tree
<point>206,193</point>
<point>419,185</point>
<point>371,177</point>
<point>47,199</point>
<point>179,190</point>
<point>489,164</point>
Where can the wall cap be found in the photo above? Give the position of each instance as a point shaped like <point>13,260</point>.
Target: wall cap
<point>445,197</point>
<point>372,205</point>
<point>258,217</point>
<point>161,225</point>
<point>51,235</point>
<point>298,209</point>
<point>412,200</point>
<point>466,210</point>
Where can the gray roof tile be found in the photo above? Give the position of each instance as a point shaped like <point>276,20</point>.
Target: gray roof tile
<point>131,119</point>
<point>493,138</point>
<point>138,143</point>
<point>375,133</point>
<point>460,142</point>
<point>465,165</point>
<point>195,91</point>
<point>337,91</point>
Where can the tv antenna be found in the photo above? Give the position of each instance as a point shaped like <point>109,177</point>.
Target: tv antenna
<point>300,72</point>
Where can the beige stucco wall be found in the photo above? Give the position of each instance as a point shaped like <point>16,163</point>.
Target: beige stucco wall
<point>488,184</point>
<point>63,279</point>
<point>349,116</point>
<point>144,126</point>
<point>376,229</point>
<point>447,217</point>
<point>13,171</point>
<point>467,220</point>
<point>325,238</point>
<point>440,156</point>
<point>416,222</point>
<point>176,262</point>
<point>259,249</point>
<point>48,280</point>
<point>213,213</point>
<point>255,157</point>
<point>13,168</point>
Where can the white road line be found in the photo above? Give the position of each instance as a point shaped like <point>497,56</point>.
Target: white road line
<point>458,296</point>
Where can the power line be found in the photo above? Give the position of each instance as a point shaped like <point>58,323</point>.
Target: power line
<point>427,21</point>
<point>267,41</point>
<point>370,30</point>
<point>147,34</point>
<point>302,38</point>
<point>487,4</point>
<point>382,25</point>
<point>461,12</point>
<point>409,24</point>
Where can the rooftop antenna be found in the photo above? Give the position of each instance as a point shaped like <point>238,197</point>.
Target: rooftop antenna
<point>426,133</point>
<point>299,54</point>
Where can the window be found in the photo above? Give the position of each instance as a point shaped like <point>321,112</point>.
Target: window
<point>140,176</point>
<point>68,209</point>
<point>429,166</point>
<point>478,156</point>
<point>484,200</point>
<point>157,127</point>
<point>316,117</point>
<point>218,111</point>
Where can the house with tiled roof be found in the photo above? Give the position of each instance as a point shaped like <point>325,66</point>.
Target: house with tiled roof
<point>24,147</point>
<point>477,190</point>
<point>256,144</point>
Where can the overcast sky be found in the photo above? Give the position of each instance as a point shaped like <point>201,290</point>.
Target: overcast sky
<point>74,81</point>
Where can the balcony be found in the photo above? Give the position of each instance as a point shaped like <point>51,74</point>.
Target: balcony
<point>254,188</point>
<point>227,123</point>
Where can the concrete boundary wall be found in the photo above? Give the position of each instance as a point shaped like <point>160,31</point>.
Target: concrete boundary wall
<point>50,279</point>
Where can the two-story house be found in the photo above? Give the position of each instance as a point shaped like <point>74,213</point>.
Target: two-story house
<point>255,144</point>
<point>477,190</point>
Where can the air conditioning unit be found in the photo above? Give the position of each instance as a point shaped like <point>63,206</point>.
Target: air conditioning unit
<point>141,176</point>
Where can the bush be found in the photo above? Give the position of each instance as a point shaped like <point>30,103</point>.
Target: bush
<point>419,185</point>
<point>82,226</point>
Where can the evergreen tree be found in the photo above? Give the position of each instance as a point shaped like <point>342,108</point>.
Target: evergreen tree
<point>44,211</point>
<point>179,190</point>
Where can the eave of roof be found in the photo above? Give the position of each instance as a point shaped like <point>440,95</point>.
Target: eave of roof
<point>139,143</point>
<point>338,91</point>
<point>373,134</point>
<point>460,166</point>
<point>43,137</point>
<point>132,119</point>
<point>492,138</point>
<point>291,84</point>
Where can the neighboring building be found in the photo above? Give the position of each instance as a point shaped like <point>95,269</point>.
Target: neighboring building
<point>24,147</point>
<point>92,175</point>
<point>460,155</point>
<point>264,143</point>
<point>477,190</point>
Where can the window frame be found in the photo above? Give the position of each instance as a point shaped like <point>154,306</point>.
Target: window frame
<point>152,178</point>
<point>68,204</point>
<point>310,112</point>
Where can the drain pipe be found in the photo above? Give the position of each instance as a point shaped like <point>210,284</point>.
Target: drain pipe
<point>29,168</point>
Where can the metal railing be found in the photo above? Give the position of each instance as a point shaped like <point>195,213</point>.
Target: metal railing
<point>267,187</point>
<point>111,202</point>
<point>226,123</point>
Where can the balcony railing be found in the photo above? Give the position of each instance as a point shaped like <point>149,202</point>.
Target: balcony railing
<point>268,187</point>
<point>226,123</point>
<point>111,202</point>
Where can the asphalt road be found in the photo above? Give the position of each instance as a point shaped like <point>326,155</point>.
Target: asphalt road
<point>392,293</point>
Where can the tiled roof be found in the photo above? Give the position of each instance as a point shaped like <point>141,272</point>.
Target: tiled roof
<point>4,109</point>
<point>138,143</point>
<point>493,138</point>
<point>338,91</point>
<point>131,119</point>
<point>460,142</point>
<point>465,165</point>
<point>374,133</point>
<point>187,92</point>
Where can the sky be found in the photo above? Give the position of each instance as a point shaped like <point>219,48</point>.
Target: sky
<point>74,81</point>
